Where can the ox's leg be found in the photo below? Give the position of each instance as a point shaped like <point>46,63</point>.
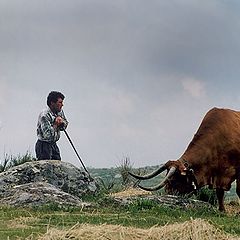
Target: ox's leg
<point>220,197</point>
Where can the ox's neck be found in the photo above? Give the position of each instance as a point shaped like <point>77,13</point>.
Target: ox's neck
<point>197,158</point>
<point>195,155</point>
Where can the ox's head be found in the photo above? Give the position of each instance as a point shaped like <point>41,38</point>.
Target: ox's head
<point>178,180</point>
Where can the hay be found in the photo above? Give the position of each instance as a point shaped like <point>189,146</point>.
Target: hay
<point>232,208</point>
<point>194,230</point>
<point>131,192</point>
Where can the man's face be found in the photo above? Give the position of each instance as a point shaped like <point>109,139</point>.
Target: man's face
<point>57,107</point>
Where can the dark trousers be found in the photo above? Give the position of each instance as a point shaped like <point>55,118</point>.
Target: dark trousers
<point>47,151</point>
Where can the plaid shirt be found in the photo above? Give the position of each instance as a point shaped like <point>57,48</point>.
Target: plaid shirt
<point>45,130</point>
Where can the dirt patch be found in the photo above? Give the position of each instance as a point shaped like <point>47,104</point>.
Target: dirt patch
<point>194,230</point>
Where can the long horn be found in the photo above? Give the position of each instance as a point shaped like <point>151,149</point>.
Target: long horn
<point>151,175</point>
<point>162,184</point>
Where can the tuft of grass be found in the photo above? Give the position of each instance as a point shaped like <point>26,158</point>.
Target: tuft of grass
<point>123,169</point>
<point>12,161</point>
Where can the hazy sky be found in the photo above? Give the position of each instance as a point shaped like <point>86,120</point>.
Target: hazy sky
<point>138,75</point>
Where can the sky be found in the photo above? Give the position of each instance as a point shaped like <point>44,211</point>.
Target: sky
<point>138,76</point>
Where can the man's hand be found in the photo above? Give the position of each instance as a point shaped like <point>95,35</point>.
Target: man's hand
<point>58,122</point>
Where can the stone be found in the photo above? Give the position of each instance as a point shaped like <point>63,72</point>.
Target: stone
<point>164,200</point>
<point>39,182</point>
<point>37,194</point>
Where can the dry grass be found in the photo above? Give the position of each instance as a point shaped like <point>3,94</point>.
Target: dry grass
<point>198,229</point>
<point>21,222</point>
<point>131,192</point>
<point>233,208</point>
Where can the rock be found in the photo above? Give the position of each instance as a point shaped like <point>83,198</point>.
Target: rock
<point>165,200</point>
<point>39,182</point>
<point>37,194</point>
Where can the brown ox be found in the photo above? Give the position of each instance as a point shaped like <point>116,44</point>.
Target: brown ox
<point>212,158</point>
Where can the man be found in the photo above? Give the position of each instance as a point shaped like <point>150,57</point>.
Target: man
<point>50,122</point>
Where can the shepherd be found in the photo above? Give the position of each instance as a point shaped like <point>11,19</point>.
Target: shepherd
<point>51,122</point>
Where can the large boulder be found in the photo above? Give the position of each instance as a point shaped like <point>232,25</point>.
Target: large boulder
<point>48,180</point>
<point>37,194</point>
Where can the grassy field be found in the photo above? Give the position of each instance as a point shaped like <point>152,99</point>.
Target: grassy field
<point>34,223</point>
<point>17,223</point>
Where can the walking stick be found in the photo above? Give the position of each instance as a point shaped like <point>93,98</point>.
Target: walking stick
<point>77,153</point>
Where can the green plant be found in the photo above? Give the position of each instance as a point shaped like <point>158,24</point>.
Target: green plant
<point>106,185</point>
<point>11,161</point>
<point>4,165</point>
<point>207,195</point>
<point>142,204</point>
<point>123,169</point>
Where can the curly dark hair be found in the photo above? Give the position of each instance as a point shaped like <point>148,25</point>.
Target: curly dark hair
<point>53,96</point>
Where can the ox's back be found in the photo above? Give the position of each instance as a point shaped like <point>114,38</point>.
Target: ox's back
<point>219,129</point>
<point>214,151</point>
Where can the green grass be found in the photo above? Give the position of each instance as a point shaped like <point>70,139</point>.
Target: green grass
<point>141,214</point>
